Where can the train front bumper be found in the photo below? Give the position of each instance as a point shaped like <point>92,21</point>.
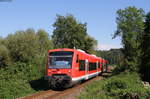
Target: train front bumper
<point>59,81</point>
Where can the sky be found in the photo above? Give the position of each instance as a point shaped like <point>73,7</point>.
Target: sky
<point>100,16</point>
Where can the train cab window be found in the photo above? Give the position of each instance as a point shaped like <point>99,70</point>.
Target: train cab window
<point>60,59</point>
<point>81,65</point>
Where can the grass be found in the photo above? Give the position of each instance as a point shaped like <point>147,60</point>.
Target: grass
<point>121,86</point>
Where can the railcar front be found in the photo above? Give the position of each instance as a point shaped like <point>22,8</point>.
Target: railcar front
<point>59,68</point>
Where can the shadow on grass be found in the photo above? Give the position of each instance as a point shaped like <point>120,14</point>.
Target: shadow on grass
<point>39,84</point>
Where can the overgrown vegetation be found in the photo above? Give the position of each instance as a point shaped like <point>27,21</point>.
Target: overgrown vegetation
<point>123,86</point>
<point>22,60</point>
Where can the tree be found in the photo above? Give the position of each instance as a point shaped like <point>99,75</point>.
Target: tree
<point>5,59</point>
<point>44,42</point>
<point>23,45</point>
<point>130,27</point>
<point>68,33</point>
<point>90,44</point>
<point>114,56</point>
<point>145,66</point>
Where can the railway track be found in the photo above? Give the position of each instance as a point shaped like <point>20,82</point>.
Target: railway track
<point>70,93</point>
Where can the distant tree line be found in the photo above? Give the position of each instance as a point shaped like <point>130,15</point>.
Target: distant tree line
<point>114,56</point>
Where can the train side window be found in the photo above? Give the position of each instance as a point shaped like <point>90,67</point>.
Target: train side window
<point>81,65</point>
<point>92,66</point>
<point>98,64</point>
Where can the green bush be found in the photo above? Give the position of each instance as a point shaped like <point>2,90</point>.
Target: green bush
<point>122,86</point>
<point>23,45</point>
<point>27,46</point>
<point>23,55</point>
<point>15,80</point>
<point>116,84</point>
<point>119,68</point>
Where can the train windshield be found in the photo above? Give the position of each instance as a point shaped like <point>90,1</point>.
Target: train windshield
<point>60,59</point>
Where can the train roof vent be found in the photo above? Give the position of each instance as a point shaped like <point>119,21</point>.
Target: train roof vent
<point>93,55</point>
<point>81,50</point>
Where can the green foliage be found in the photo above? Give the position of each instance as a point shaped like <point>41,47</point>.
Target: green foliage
<point>145,65</point>
<point>27,49</point>
<point>4,56</point>
<point>26,46</point>
<point>90,44</point>
<point>68,33</point>
<point>130,25</point>
<point>122,86</point>
<point>23,45</point>
<point>15,80</point>
<point>44,42</point>
<point>1,41</point>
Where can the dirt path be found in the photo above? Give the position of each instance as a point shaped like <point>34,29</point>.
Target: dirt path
<point>70,93</point>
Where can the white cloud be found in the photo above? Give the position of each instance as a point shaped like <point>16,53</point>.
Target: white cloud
<point>107,46</point>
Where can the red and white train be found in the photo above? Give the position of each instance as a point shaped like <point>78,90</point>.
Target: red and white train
<point>65,67</point>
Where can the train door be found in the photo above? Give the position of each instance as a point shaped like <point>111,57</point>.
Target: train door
<point>97,69</point>
<point>86,68</point>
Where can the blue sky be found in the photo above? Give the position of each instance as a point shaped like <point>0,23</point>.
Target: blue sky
<point>98,14</point>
